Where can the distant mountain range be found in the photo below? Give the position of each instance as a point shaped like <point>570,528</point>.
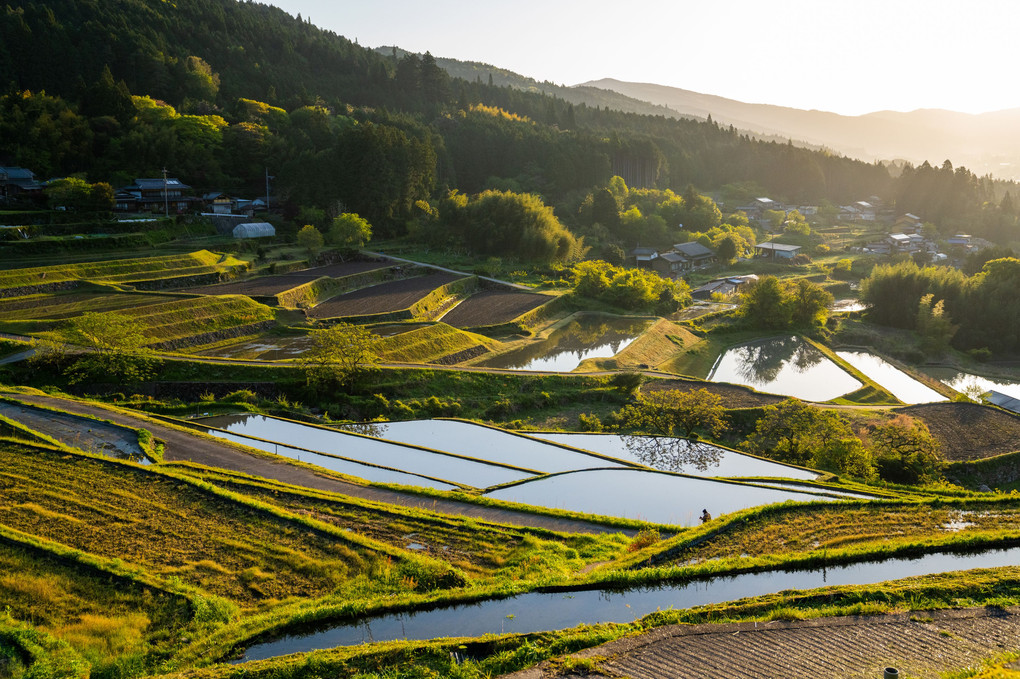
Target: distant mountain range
<point>988,143</point>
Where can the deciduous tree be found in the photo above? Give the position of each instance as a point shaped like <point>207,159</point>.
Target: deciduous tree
<point>349,231</point>
<point>339,355</point>
<point>310,239</point>
<point>115,348</point>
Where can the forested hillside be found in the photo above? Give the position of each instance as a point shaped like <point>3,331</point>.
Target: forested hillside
<point>217,91</point>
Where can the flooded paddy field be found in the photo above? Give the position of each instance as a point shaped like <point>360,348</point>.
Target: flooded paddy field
<point>785,365</point>
<point>898,383</point>
<point>542,611</point>
<point>583,337</point>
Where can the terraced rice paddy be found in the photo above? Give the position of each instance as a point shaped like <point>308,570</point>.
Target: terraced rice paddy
<point>383,298</point>
<point>678,455</point>
<point>480,549</point>
<point>68,305</point>
<point>196,316</point>
<point>99,614</point>
<point>651,496</point>
<point>798,530</point>
<point>197,263</point>
<point>268,286</point>
<point>493,307</point>
<point>168,526</point>
<point>410,459</point>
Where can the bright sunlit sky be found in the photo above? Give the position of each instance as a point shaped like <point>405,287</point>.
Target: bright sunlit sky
<point>847,56</point>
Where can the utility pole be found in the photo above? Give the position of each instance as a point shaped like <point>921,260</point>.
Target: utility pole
<point>166,198</point>
<point>268,177</point>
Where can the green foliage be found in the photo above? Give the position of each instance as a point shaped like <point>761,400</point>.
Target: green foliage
<point>934,326</point>
<point>338,356</point>
<point>765,304</point>
<point>47,657</point>
<point>795,432</point>
<point>906,452</point>
<point>848,457</point>
<point>699,213</point>
<point>589,422</point>
<point>310,239</point>
<point>772,304</point>
<point>115,348</point>
<point>349,231</point>
<point>674,412</point>
<point>635,290</point>
<point>76,194</point>
<point>983,308</point>
<point>506,223</point>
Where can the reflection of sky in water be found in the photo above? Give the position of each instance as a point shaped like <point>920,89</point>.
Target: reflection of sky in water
<point>974,385</point>
<point>724,463</point>
<point>901,385</point>
<point>485,443</point>
<point>841,305</point>
<point>787,366</point>
<point>392,455</point>
<point>541,611</point>
<point>583,338</point>
<point>648,496</point>
<point>348,467</point>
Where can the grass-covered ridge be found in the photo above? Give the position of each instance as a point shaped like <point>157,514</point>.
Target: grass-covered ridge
<point>177,528</point>
<point>123,270</point>
<point>431,344</point>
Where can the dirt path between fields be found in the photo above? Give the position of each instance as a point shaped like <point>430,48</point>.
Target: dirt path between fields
<point>919,644</point>
<point>182,446</point>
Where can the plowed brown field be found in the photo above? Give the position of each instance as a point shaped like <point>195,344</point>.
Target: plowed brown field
<point>382,298</point>
<point>921,645</point>
<point>274,285</point>
<point>492,307</point>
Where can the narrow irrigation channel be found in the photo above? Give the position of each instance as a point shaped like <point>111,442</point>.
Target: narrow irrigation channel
<point>544,611</point>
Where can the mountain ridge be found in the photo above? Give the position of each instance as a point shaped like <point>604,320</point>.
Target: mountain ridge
<point>986,143</point>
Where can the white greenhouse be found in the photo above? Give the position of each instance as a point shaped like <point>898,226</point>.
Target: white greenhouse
<point>254,230</point>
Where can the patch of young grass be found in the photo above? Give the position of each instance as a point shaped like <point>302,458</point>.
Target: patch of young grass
<point>485,551</point>
<point>174,527</point>
<point>429,343</point>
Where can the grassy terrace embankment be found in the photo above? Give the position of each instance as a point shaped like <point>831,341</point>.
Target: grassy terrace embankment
<point>486,552</point>
<point>175,528</point>
<point>60,306</point>
<point>199,263</point>
<point>437,343</point>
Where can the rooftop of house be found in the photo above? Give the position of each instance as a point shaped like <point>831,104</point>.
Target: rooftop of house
<point>777,247</point>
<point>146,184</point>
<point>693,250</point>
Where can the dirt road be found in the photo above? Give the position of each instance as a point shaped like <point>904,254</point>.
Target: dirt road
<point>923,645</point>
<point>183,446</point>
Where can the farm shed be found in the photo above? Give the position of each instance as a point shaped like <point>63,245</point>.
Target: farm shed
<point>254,230</point>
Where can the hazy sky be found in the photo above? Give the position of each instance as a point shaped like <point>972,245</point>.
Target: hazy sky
<point>848,56</point>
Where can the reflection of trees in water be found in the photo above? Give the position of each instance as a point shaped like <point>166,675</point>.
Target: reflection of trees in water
<point>577,337</point>
<point>762,362</point>
<point>364,428</point>
<point>671,454</point>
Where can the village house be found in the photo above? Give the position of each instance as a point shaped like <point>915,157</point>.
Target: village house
<point>642,257</point>
<point>218,203</point>
<point>154,195</point>
<point>772,250</point>
<point>756,210</point>
<point>861,211</point>
<point>909,223</point>
<point>18,183</point>
<point>682,258</point>
<point>723,286</point>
